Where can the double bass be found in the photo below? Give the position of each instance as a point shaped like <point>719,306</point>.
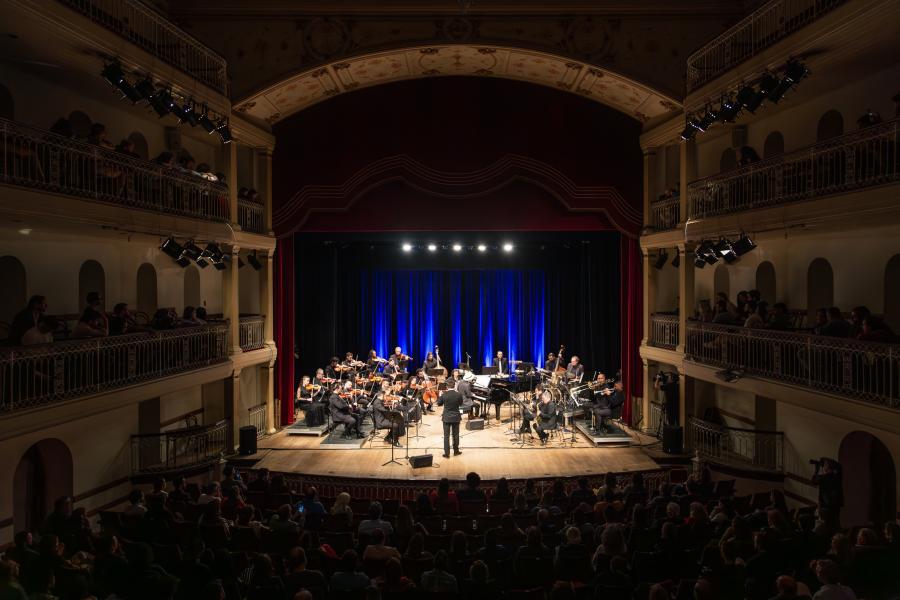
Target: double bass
<point>437,357</point>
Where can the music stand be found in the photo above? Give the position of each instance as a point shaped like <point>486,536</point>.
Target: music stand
<point>396,418</point>
<point>490,370</point>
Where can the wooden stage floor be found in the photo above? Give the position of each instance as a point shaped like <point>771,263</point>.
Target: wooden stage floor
<point>490,452</point>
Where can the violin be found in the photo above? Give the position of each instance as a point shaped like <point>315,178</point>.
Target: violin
<point>311,387</point>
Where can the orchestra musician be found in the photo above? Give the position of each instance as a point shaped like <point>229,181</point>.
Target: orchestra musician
<point>332,371</point>
<point>383,408</point>
<point>320,375</point>
<point>464,387</point>
<point>309,400</point>
<point>502,365</point>
<point>452,403</point>
<point>575,370</point>
<point>340,408</point>
<point>412,397</point>
<point>400,359</point>
<point>547,414</point>
<point>430,362</point>
<point>551,363</point>
<point>606,400</point>
<point>372,362</point>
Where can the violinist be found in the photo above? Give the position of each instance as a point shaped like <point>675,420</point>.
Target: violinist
<point>373,362</point>
<point>308,399</point>
<point>320,376</point>
<point>401,360</point>
<point>341,412</point>
<point>384,411</point>
<point>350,364</point>
<point>412,398</point>
<point>332,371</point>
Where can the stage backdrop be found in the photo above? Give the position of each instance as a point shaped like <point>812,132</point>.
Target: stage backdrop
<point>546,293</point>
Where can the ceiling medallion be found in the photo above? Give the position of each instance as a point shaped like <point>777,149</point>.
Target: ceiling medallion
<point>457,29</point>
<point>325,37</point>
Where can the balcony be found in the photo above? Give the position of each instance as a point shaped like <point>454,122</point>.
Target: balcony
<point>38,159</point>
<point>180,449</point>
<point>759,30</point>
<point>742,448</point>
<point>35,376</point>
<point>251,216</point>
<point>145,28</point>
<point>855,160</point>
<point>252,332</point>
<point>865,371</point>
<point>664,331</point>
<point>665,214</point>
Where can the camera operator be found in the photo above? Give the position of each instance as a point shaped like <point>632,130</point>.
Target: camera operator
<point>668,382</point>
<point>828,478</point>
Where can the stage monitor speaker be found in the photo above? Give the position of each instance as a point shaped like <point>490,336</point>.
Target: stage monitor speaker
<point>247,440</point>
<point>672,439</point>
<point>421,460</point>
<point>475,424</point>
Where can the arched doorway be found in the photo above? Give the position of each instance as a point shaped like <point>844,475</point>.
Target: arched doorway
<point>43,475</point>
<point>765,281</point>
<point>722,281</point>
<point>830,125</point>
<point>91,278</point>
<point>13,282</point>
<point>192,286</point>
<point>774,145</point>
<point>892,293</point>
<point>146,289</point>
<point>870,480</point>
<point>140,144</point>
<point>819,287</point>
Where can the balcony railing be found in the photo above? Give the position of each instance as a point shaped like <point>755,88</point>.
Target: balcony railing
<point>665,214</point>
<point>252,332</point>
<point>256,416</point>
<point>34,376</point>
<point>867,371</point>
<point>38,159</point>
<point>664,331</point>
<point>179,449</point>
<point>745,448</point>
<point>150,31</point>
<point>860,159</point>
<point>750,36</point>
<point>251,216</point>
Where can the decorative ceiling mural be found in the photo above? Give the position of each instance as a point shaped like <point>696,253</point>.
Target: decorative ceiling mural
<point>305,89</point>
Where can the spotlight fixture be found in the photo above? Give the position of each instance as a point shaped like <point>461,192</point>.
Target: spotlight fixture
<point>746,97</point>
<point>254,262</point>
<point>432,247</point>
<point>507,247</point>
<point>192,251</point>
<point>661,259</point>
<point>794,72</point>
<point>205,122</point>
<point>698,261</point>
<point>482,248</point>
<point>186,113</point>
<point>146,88</point>
<point>407,247</point>
<point>708,118</point>
<point>676,262</point>
<point>690,130</point>
<point>172,249</point>
<point>215,255</point>
<point>766,85</point>
<point>116,77</point>
<point>704,254</point>
<point>729,110</point>
<point>161,102</point>
<point>724,250</point>
<point>224,131</point>
<point>743,245</point>
<point>457,247</point>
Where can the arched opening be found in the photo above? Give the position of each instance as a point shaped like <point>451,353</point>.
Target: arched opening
<point>722,281</point>
<point>43,475</point>
<point>13,298</point>
<point>146,289</point>
<point>81,124</point>
<point>728,160</point>
<point>91,278</point>
<point>140,144</point>
<point>765,281</point>
<point>774,145</point>
<point>192,286</point>
<point>831,125</point>
<point>870,481</point>
<point>892,293</point>
<point>7,104</point>
<point>819,287</point>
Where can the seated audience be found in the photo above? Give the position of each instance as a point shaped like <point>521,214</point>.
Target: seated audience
<point>439,580</point>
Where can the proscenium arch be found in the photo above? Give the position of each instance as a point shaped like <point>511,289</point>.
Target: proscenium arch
<point>302,90</point>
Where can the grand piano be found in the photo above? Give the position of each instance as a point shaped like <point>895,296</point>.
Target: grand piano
<point>497,389</point>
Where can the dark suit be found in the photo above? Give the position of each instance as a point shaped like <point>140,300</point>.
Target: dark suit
<point>502,365</point>
<point>383,420</point>
<point>451,400</point>
<point>22,322</point>
<point>340,413</point>
<point>605,405</point>
<point>575,372</point>
<point>468,401</point>
<point>548,418</point>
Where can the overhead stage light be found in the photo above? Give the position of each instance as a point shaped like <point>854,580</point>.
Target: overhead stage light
<point>224,131</point>
<point>690,130</point>
<point>254,262</point>
<point>432,247</point>
<point>205,122</point>
<point>482,248</point>
<point>746,98</point>
<point>729,110</point>
<point>116,77</point>
<point>724,250</point>
<point>172,249</point>
<point>661,259</point>
<point>707,120</point>
<point>407,247</point>
<point>507,247</point>
<point>794,72</point>
<point>457,247</point>
<point>676,262</point>
<point>743,245</point>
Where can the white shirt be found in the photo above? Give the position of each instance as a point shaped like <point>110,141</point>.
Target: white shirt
<point>34,336</point>
<point>834,592</point>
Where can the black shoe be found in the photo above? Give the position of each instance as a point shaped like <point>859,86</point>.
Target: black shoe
<point>534,426</point>
<point>445,455</point>
<point>397,444</point>
<point>457,452</point>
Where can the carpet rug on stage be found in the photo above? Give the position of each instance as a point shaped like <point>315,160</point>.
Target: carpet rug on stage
<point>336,438</point>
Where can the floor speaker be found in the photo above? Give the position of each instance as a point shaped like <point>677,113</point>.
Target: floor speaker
<point>475,424</point>
<point>247,440</point>
<point>421,460</point>
<point>672,439</point>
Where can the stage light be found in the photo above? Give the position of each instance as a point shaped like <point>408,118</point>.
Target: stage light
<point>676,262</point>
<point>745,98</point>
<point>161,101</point>
<point>172,249</point>
<point>507,247</point>
<point>457,247</point>
<point>661,259</point>
<point>205,122</point>
<point>743,245</point>
<point>224,131</point>
<point>192,251</point>
<point>432,247</point>
<point>707,120</point>
<point>766,85</point>
<point>187,114</point>
<point>698,261</point>
<point>482,248</point>
<point>794,72</point>
<point>689,131</point>
<point>724,250</point>
<point>704,255</point>
<point>407,247</point>
<point>254,262</point>
<point>729,110</point>
<point>116,77</point>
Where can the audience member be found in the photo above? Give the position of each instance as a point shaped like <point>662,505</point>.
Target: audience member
<point>26,319</point>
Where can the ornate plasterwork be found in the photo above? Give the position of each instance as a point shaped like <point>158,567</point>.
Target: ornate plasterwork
<point>307,88</point>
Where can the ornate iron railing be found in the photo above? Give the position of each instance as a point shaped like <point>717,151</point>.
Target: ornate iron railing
<point>150,31</point>
<point>252,332</point>
<point>665,214</point>
<point>868,371</point>
<point>179,449</point>
<point>746,448</point>
<point>664,331</point>
<point>256,416</point>
<point>251,216</point>
<point>751,35</point>
<point>860,159</point>
<point>39,159</point>
<point>33,376</point>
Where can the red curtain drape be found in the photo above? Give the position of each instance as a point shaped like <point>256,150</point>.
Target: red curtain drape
<point>284,326</point>
<point>630,304</point>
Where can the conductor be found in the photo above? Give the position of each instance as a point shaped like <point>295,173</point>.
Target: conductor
<point>451,400</point>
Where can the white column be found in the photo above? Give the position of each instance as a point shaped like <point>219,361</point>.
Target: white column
<point>231,289</point>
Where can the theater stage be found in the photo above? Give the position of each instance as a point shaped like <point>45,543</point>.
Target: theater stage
<point>492,452</point>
